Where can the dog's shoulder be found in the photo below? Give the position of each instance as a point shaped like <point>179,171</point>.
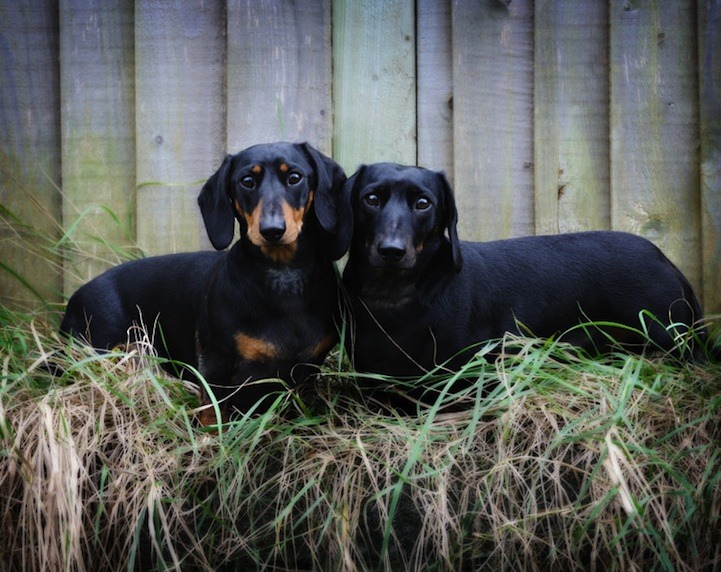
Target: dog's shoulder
<point>162,269</point>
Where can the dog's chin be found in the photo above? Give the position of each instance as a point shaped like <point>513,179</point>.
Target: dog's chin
<point>404,265</point>
<point>284,242</point>
<point>279,252</point>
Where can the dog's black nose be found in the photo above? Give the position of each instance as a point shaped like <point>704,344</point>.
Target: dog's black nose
<point>391,251</point>
<point>272,233</point>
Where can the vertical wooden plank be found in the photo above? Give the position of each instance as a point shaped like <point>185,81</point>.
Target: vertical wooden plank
<point>279,72</point>
<point>98,132</point>
<point>709,24</point>
<point>571,129</point>
<point>180,118</point>
<point>29,154</point>
<point>493,118</point>
<point>654,127</point>
<point>374,84</point>
<point>435,85</point>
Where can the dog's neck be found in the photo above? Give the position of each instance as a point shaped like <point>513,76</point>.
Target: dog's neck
<point>291,281</point>
<point>291,275</point>
<point>382,289</point>
<point>386,289</point>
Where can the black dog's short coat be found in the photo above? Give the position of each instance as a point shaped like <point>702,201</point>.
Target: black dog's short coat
<point>163,288</point>
<point>420,296</point>
<point>264,309</point>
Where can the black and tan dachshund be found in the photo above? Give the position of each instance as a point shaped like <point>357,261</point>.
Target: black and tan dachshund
<point>420,296</point>
<point>265,309</point>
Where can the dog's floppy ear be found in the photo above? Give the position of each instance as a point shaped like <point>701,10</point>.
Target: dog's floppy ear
<point>216,208</point>
<point>330,209</point>
<point>451,220</point>
<point>346,220</point>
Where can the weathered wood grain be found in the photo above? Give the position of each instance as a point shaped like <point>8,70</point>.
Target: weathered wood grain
<point>654,127</point>
<point>97,82</point>
<point>30,210</point>
<point>565,115</point>
<point>180,129</point>
<point>279,73</point>
<point>374,82</point>
<point>709,24</point>
<point>435,85</point>
<point>492,118</point>
<point>571,118</point>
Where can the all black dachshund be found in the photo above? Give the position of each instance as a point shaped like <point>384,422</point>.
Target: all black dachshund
<point>420,296</point>
<point>267,308</point>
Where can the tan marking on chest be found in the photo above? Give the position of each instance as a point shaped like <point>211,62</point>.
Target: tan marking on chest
<point>255,349</point>
<point>321,348</point>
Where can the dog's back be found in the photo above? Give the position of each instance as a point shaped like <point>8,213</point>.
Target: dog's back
<point>547,285</point>
<point>160,292</point>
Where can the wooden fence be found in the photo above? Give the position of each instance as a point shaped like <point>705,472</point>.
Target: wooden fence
<point>548,116</point>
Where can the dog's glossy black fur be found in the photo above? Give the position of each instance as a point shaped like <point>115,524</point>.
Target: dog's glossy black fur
<point>264,309</point>
<point>420,296</point>
<point>160,292</point>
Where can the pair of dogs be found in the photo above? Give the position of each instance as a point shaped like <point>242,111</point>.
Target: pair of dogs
<point>269,308</point>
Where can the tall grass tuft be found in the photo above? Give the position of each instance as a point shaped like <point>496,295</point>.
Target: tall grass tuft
<point>554,461</point>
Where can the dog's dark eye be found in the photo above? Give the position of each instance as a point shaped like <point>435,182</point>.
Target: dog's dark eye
<point>371,199</point>
<point>248,182</point>
<point>422,203</point>
<point>294,178</point>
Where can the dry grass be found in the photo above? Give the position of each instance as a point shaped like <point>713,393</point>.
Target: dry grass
<point>556,462</point>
